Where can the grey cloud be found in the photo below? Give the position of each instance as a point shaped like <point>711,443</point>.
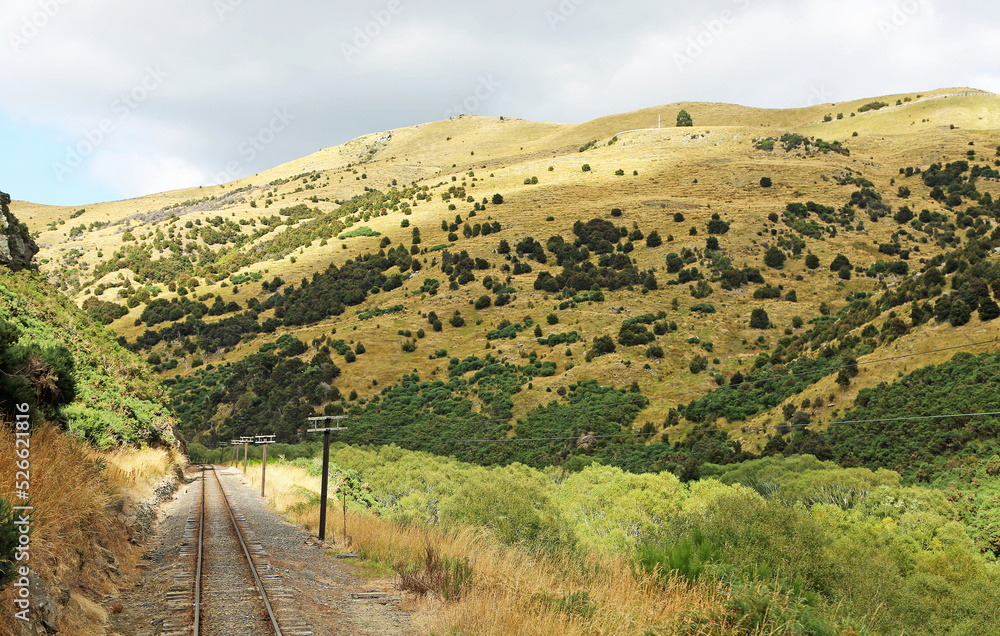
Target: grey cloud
<point>346,69</point>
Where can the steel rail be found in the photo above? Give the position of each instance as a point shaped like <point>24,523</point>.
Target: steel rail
<point>201,550</point>
<point>246,553</point>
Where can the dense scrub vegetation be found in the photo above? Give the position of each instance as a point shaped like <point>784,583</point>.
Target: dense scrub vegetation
<point>327,294</point>
<point>614,269</point>
<point>219,247</point>
<point>919,449</point>
<point>274,391</point>
<point>70,370</point>
<point>793,141</point>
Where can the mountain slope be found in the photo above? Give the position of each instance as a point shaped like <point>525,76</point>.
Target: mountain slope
<point>229,240</point>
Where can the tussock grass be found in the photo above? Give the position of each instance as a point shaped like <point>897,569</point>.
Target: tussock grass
<point>74,530</point>
<point>138,470</point>
<point>511,592</point>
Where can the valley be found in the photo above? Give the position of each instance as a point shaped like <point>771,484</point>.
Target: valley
<point>769,314</point>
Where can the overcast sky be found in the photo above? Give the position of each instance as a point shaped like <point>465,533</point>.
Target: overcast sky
<point>108,99</point>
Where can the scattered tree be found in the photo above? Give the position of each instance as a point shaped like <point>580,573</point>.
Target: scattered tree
<point>759,319</point>
<point>774,257</point>
<point>839,262</point>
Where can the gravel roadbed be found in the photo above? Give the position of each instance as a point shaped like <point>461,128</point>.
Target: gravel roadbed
<point>320,584</point>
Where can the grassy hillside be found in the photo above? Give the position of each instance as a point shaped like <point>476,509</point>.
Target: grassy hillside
<point>181,275</point>
<point>114,399</point>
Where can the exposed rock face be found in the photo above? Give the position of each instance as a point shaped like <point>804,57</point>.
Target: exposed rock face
<point>45,609</point>
<point>17,248</point>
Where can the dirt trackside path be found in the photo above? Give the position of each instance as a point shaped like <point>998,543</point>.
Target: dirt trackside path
<point>321,584</point>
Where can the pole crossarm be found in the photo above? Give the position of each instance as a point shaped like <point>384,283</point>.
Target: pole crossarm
<point>324,418</point>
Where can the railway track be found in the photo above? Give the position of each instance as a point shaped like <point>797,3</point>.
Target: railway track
<point>227,586</point>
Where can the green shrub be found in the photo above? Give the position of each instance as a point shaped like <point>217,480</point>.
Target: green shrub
<point>759,319</point>
<point>688,557</point>
<point>774,257</point>
<point>363,230</point>
<point>876,105</point>
<point>513,509</point>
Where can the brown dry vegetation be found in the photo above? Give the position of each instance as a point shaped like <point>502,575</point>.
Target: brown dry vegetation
<point>79,543</point>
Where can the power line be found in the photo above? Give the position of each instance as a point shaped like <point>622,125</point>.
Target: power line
<point>644,399</point>
<point>828,371</point>
<point>724,428</point>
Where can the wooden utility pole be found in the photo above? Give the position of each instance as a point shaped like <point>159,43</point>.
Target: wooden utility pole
<point>246,446</point>
<point>326,467</point>
<point>264,440</point>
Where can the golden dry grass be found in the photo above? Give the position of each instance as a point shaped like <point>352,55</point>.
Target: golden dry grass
<point>73,528</point>
<point>718,152</point>
<point>137,470</point>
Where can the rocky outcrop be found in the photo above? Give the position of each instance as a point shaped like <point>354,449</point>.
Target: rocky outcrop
<point>44,611</point>
<point>17,248</point>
